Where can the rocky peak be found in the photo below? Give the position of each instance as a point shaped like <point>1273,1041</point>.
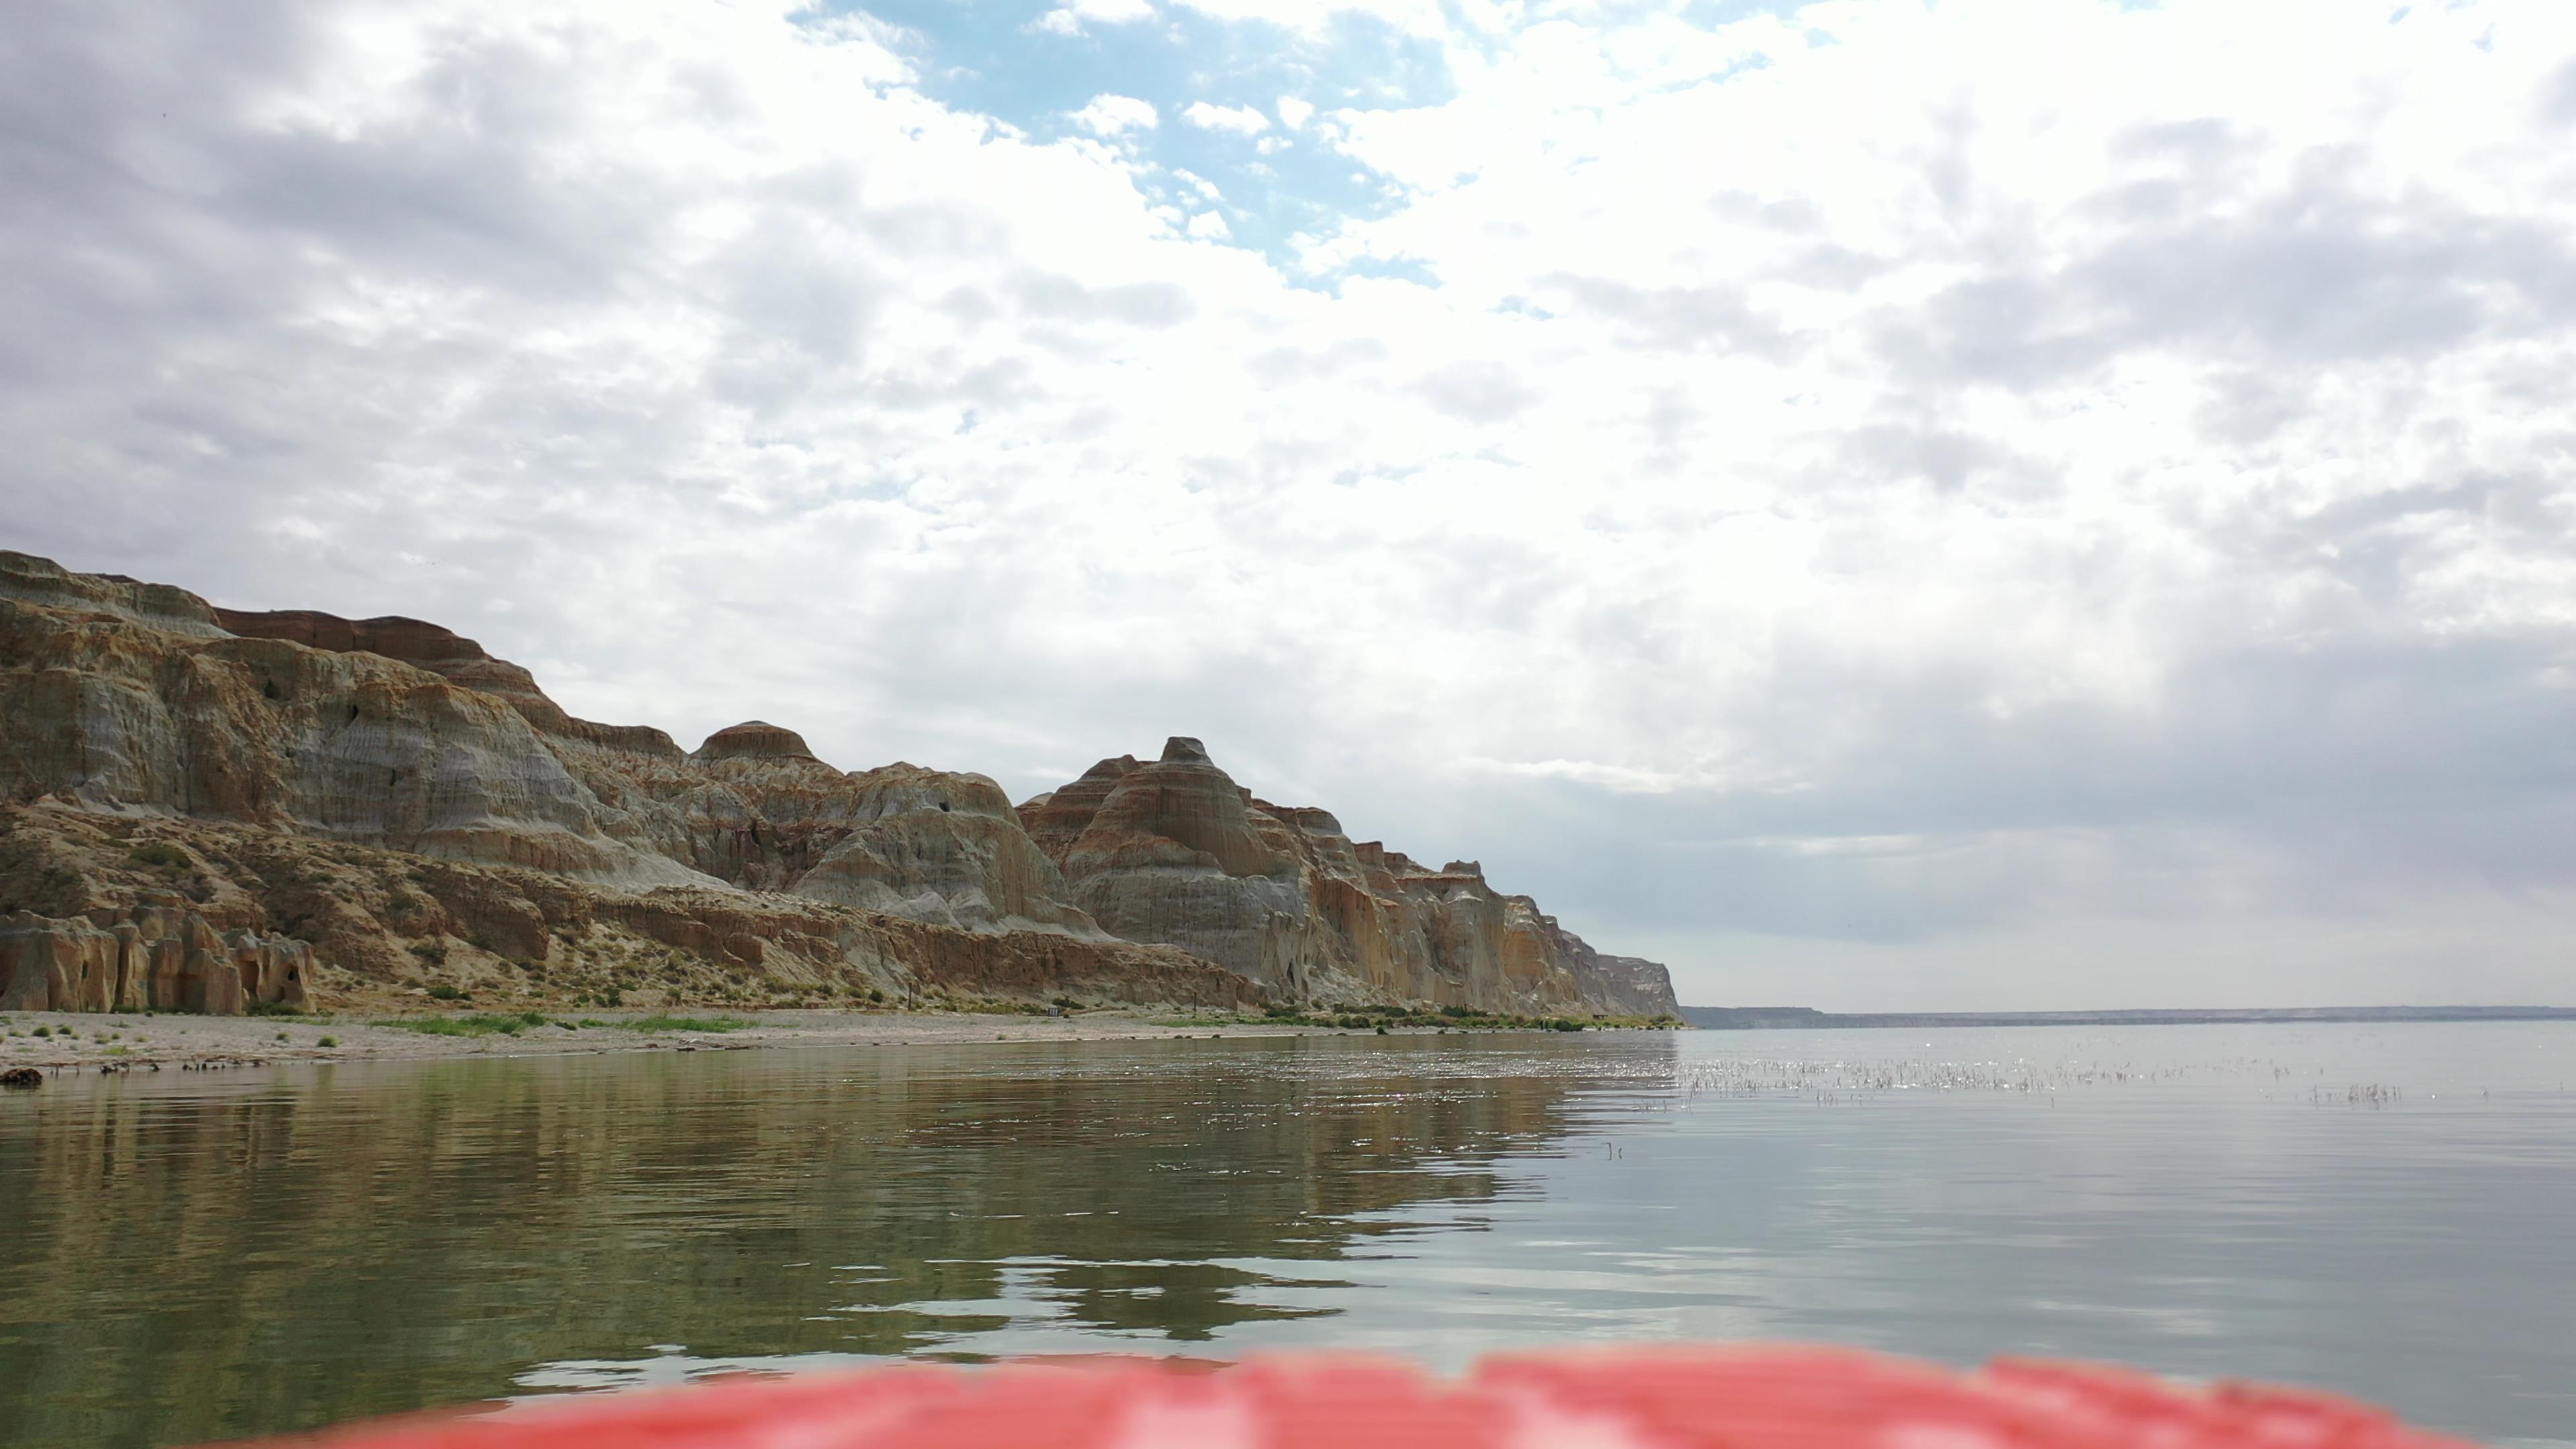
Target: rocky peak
<point>1175,852</point>
<point>1307,818</point>
<point>755,740</point>
<point>1180,811</point>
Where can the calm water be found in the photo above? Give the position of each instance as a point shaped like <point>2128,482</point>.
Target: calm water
<point>2384,1210</point>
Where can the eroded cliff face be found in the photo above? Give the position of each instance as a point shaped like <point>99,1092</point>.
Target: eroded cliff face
<point>276,750</point>
<point>1174,851</point>
<point>154,955</point>
<point>132,702</point>
<point>398,733</point>
<point>231,914</point>
<point>114,711</point>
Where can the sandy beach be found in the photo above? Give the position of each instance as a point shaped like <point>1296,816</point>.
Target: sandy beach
<point>136,1042</point>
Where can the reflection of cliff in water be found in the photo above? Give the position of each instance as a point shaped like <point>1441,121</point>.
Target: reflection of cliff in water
<point>190,1257</point>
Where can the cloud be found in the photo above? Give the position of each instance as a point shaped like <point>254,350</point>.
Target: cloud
<point>1241,120</point>
<point>1108,115</point>
<point>1476,392</point>
<point>1294,113</point>
<point>2065,531</point>
<point>1072,19</point>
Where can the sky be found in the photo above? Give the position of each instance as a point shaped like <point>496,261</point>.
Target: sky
<point>1877,504</point>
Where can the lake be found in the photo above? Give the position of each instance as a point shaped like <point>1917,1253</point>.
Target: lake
<point>2384,1210</point>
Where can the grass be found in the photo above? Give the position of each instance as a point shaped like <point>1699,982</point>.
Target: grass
<point>444,992</point>
<point>679,1023</point>
<point>328,1041</point>
<point>990,1006</point>
<point>1454,1018</point>
<point>481,1023</point>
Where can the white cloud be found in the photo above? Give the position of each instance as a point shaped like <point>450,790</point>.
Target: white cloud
<point>1209,226</point>
<point>2114,460</point>
<point>1294,112</point>
<point>1071,19</point>
<point>1241,120</point>
<point>1109,115</point>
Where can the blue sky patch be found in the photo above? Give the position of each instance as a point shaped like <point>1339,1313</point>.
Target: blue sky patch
<point>995,57</point>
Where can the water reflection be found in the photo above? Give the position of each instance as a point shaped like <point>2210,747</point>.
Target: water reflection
<point>2382,1211</point>
<point>190,1260</point>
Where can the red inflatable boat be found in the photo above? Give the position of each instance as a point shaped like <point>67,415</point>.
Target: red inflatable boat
<point>1659,1398</point>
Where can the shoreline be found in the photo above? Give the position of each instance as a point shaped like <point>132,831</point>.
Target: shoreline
<point>106,1043</point>
<point>1808,1018</point>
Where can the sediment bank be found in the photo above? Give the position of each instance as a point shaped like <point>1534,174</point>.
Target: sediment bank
<point>135,1042</point>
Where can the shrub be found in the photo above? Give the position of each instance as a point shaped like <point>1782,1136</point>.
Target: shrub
<point>328,1041</point>
<point>660,1022</point>
<point>432,952</point>
<point>48,1031</point>
<point>444,992</point>
<point>158,853</point>
<point>271,1008</point>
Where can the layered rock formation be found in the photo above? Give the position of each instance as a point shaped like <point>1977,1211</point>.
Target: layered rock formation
<point>397,744</point>
<point>362,928</point>
<point>1175,851</point>
<point>145,705</point>
<point>158,956</point>
<point>456,806</point>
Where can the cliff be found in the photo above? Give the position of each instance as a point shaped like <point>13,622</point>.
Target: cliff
<point>1174,851</point>
<point>471,831</point>
<point>475,826</point>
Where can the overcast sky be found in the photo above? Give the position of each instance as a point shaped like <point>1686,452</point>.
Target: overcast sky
<point>2041,503</point>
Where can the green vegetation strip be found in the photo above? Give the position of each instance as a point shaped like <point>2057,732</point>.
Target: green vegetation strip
<point>1460,1018</point>
<point>1454,1018</point>
<point>481,1023</point>
<point>511,1023</point>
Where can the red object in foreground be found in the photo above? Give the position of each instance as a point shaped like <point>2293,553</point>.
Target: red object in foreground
<point>1658,1398</point>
